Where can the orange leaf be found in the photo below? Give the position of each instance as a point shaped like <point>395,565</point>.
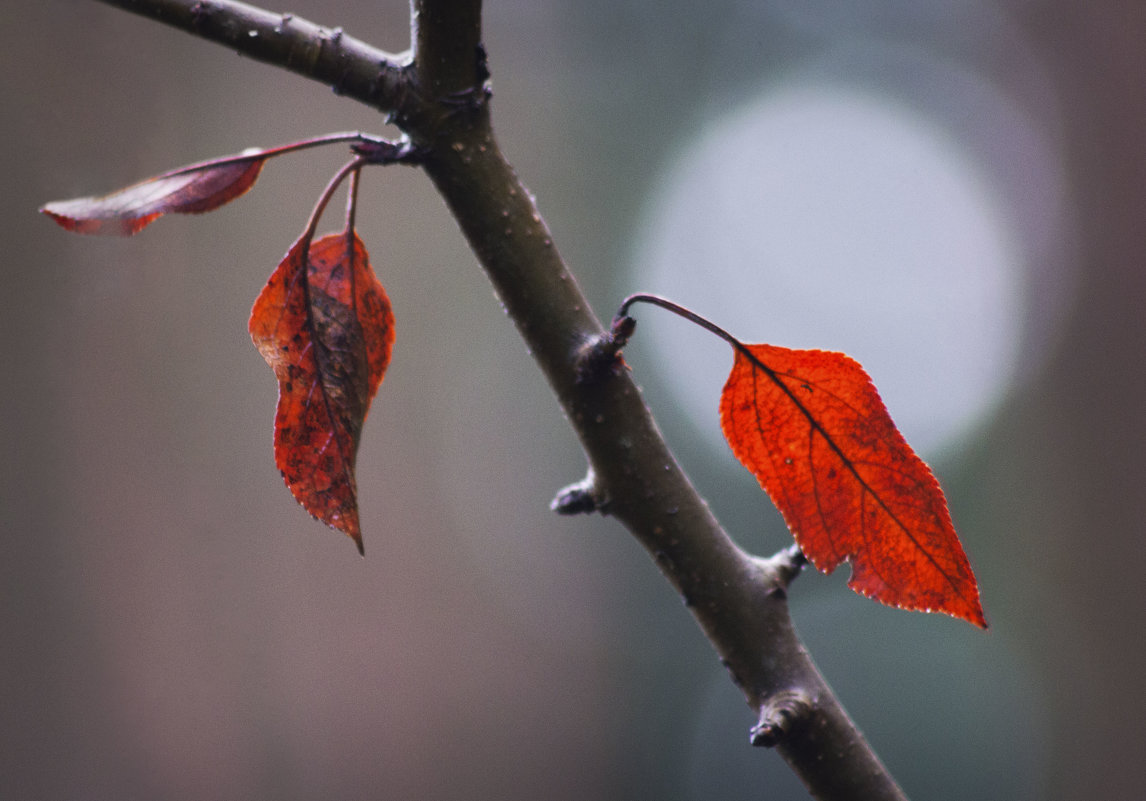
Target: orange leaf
<point>191,190</point>
<point>323,323</point>
<point>812,428</point>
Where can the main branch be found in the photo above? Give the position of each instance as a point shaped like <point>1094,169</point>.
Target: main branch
<point>439,99</point>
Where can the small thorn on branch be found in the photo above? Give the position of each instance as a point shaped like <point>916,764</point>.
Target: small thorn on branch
<point>483,73</point>
<point>579,499</point>
<point>778,716</point>
<point>781,569</point>
<point>600,357</point>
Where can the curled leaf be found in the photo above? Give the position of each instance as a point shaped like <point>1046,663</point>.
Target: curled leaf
<point>811,427</point>
<point>190,190</point>
<point>324,325</point>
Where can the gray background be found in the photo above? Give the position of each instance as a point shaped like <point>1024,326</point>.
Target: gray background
<point>174,627</point>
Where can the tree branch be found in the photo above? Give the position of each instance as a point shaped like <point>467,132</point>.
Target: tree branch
<point>739,601</point>
<point>349,66</point>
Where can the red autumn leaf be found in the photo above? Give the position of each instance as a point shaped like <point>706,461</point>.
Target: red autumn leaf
<point>323,323</point>
<point>190,190</point>
<point>812,428</point>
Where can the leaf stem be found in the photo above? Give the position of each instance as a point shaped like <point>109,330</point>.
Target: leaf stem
<point>252,154</point>
<point>323,199</point>
<point>352,198</point>
<point>680,311</point>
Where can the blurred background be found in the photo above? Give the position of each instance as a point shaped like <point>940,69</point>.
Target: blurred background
<point>952,191</point>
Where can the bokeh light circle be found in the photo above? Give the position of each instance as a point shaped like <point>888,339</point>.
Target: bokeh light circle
<point>829,216</point>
